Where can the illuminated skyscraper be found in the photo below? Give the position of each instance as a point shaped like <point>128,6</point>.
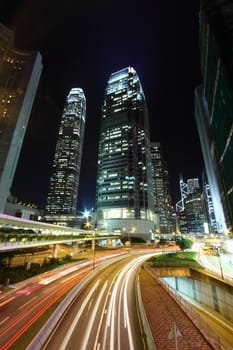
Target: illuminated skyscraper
<point>64,182</point>
<point>19,77</point>
<point>124,184</point>
<point>162,197</point>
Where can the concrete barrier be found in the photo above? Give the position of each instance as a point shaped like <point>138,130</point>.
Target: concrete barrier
<point>145,324</point>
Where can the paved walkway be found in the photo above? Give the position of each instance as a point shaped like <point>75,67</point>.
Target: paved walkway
<point>162,311</point>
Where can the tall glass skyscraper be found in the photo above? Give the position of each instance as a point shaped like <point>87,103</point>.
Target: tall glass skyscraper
<point>20,72</point>
<point>161,189</point>
<point>214,105</point>
<point>124,184</point>
<point>64,182</point>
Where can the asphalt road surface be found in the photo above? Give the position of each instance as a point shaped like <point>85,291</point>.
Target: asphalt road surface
<point>105,314</point>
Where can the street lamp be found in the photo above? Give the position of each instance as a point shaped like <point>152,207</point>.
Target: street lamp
<point>220,263</point>
<point>93,247</point>
<point>87,225</point>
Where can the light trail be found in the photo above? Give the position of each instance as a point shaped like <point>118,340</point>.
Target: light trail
<point>5,319</point>
<point>93,315</point>
<point>96,344</point>
<point>119,293</point>
<point>7,301</point>
<point>28,302</point>
<point>43,308</point>
<point>76,319</point>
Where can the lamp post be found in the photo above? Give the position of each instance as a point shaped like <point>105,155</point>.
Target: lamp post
<point>220,263</point>
<point>93,247</point>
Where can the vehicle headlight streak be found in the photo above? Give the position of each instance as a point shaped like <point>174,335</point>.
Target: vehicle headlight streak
<point>121,287</point>
<point>93,315</point>
<point>76,319</point>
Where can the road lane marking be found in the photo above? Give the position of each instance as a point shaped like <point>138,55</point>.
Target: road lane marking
<point>93,315</point>
<point>76,319</point>
<point>5,319</point>
<point>104,312</point>
<point>114,307</point>
<point>28,302</point>
<point>7,301</point>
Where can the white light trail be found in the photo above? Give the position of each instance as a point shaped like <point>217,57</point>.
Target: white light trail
<point>76,319</point>
<point>92,317</point>
<point>115,306</point>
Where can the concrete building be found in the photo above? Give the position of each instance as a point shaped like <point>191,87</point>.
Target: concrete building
<point>195,213</point>
<point>162,197</point>
<point>19,77</point>
<point>214,105</point>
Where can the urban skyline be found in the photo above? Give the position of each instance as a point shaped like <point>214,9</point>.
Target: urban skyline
<point>162,68</point>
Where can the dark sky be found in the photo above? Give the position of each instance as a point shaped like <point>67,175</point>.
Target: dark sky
<point>82,42</point>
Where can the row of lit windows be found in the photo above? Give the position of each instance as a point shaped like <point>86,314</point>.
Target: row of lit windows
<point>125,213</point>
<point>118,188</point>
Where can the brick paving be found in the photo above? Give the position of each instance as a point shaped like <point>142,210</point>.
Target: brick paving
<point>162,311</point>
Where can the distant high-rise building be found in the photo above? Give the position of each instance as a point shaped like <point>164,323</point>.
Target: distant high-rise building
<point>162,197</point>
<point>192,185</point>
<point>195,213</point>
<point>214,105</point>
<point>210,208</point>
<point>19,77</point>
<point>62,198</point>
<point>192,208</point>
<point>185,190</point>
<point>124,185</point>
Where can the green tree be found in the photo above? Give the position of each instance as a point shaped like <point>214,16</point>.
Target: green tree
<point>184,243</point>
<point>162,242</point>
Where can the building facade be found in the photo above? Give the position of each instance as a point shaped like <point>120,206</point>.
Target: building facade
<point>210,208</point>
<point>192,208</point>
<point>162,197</point>
<point>124,198</point>
<point>19,78</point>
<point>195,213</point>
<point>214,105</point>
<point>62,197</point>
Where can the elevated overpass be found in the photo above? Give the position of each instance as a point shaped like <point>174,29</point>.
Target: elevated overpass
<point>18,233</point>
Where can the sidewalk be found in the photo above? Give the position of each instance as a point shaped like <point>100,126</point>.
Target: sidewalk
<point>162,311</point>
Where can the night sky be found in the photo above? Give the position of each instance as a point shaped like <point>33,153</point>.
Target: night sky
<point>82,42</point>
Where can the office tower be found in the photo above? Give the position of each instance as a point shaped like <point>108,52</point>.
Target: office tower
<point>191,209</point>
<point>162,198</point>
<point>62,198</point>
<point>214,106</point>
<point>195,213</point>
<point>210,208</point>
<point>124,185</point>
<point>19,77</point>
<point>185,190</point>
<point>192,185</point>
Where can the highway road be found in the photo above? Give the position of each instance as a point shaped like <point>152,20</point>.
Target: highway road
<point>221,265</point>
<point>30,305</point>
<point>105,314</point>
